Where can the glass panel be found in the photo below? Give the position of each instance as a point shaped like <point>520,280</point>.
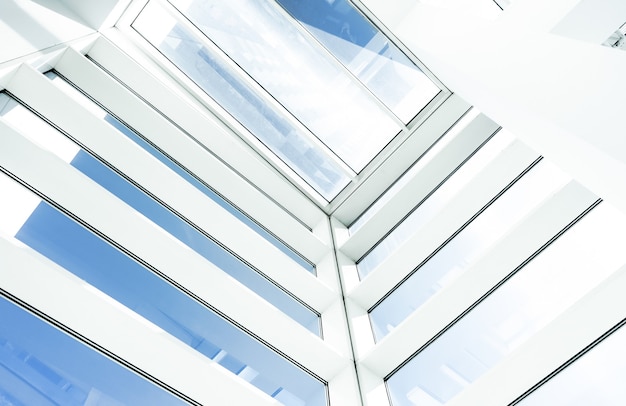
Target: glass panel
<point>45,135</point>
<point>190,54</point>
<point>433,204</point>
<point>548,285</point>
<point>466,247</point>
<point>41,365</point>
<point>367,53</point>
<point>38,225</point>
<point>268,46</point>
<point>123,129</point>
<point>597,378</point>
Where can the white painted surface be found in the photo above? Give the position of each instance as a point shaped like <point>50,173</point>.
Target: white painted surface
<point>511,251</point>
<point>182,148</point>
<point>561,96</point>
<point>510,163</point>
<point>422,137</point>
<point>27,27</point>
<point>166,185</point>
<point>434,172</point>
<point>98,14</point>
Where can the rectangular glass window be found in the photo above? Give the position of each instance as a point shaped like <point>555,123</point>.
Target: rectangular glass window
<point>596,378</point>
<point>152,150</point>
<point>544,288</point>
<point>465,248</point>
<point>43,134</point>
<point>367,53</point>
<point>28,220</point>
<point>433,204</point>
<point>41,365</point>
<point>315,82</point>
<point>191,53</point>
<point>269,47</point>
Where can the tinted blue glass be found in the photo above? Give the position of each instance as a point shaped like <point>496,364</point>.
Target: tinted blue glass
<point>195,240</point>
<point>209,193</point>
<point>87,256</point>
<point>215,77</point>
<point>40,365</point>
<point>122,128</point>
<point>180,229</point>
<point>366,52</point>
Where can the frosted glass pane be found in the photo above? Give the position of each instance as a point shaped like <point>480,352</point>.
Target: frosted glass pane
<point>548,285</point>
<point>466,247</point>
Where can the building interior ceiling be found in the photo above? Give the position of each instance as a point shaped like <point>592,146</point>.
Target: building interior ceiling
<point>333,202</point>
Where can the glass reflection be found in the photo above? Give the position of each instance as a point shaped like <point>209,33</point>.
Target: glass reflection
<point>548,285</point>
<point>28,220</point>
<point>45,135</point>
<point>189,52</point>
<point>269,47</point>
<point>465,248</point>
<point>40,365</point>
<point>367,53</point>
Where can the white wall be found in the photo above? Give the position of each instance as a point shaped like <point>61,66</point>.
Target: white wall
<point>27,27</point>
<point>98,14</point>
<point>563,96</point>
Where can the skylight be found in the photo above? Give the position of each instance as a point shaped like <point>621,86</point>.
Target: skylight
<point>315,82</point>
